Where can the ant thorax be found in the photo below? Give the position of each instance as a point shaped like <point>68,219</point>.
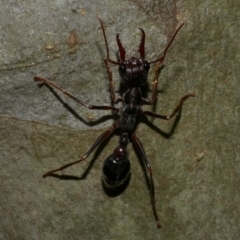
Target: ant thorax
<point>128,114</point>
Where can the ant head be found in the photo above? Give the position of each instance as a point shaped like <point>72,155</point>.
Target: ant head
<point>133,72</point>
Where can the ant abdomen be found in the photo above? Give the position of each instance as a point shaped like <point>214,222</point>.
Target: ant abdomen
<point>116,168</point>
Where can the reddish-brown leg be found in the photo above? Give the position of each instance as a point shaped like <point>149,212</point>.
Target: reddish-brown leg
<point>157,69</point>
<point>111,84</point>
<point>137,143</point>
<point>106,61</point>
<point>176,110</point>
<point>41,80</point>
<point>95,144</point>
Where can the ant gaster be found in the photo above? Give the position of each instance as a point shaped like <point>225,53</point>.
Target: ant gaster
<point>134,75</point>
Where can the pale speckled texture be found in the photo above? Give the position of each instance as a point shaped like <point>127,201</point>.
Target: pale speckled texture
<point>196,170</point>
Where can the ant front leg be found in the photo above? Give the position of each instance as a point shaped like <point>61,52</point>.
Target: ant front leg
<point>176,110</point>
<point>106,61</point>
<point>111,83</point>
<point>41,80</point>
<point>155,83</point>
<point>157,69</point>
<point>137,143</point>
<point>96,143</point>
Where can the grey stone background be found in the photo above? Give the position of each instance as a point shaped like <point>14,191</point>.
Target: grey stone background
<point>196,170</point>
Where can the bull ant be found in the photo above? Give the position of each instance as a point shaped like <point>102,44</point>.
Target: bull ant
<point>134,74</point>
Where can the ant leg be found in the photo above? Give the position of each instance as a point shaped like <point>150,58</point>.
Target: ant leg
<point>95,144</point>
<point>157,69</point>
<point>51,84</point>
<point>137,143</point>
<point>111,84</point>
<point>155,83</point>
<point>106,61</point>
<point>176,110</point>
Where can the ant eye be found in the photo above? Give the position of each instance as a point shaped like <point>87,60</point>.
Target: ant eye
<point>122,68</point>
<point>146,66</point>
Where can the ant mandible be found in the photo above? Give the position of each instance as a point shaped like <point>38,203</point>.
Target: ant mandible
<point>134,74</point>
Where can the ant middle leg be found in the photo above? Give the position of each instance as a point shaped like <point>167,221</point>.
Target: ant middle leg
<point>102,137</point>
<point>176,110</point>
<point>42,81</point>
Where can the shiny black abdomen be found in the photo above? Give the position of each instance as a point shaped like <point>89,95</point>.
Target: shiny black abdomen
<point>116,170</point>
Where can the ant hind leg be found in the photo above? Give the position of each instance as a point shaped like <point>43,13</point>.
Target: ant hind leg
<point>95,144</point>
<point>137,143</point>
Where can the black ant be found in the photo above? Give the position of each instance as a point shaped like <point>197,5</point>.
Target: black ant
<point>134,74</point>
